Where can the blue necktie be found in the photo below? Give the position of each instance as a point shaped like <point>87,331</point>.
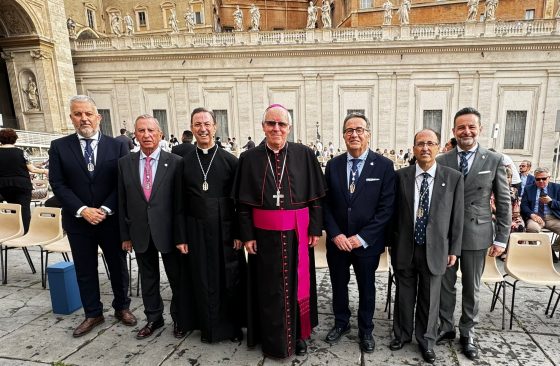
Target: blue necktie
<point>464,162</point>
<point>541,205</point>
<point>423,212</point>
<point>354,175</point>
<point>88,156</point>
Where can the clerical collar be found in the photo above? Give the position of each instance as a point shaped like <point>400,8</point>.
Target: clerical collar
<point>94,137</point>
<point>472,149</point>
<point>206,151</point>
<point>276,151</point>
<point>431,171</point>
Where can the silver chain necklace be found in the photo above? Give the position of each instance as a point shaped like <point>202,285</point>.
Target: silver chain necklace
<point>205,173</point>
<point>420,210</point>
<point>278,196</point>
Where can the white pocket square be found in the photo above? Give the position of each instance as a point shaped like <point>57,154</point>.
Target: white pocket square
<point>484,172</point>
<point>372,179</point>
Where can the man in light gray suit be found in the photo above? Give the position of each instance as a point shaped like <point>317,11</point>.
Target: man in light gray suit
<point>146,211</point>
<point>426,239</point>
<point>484,175</point>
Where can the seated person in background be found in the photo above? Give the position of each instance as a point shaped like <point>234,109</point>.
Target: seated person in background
<point>540,205</point>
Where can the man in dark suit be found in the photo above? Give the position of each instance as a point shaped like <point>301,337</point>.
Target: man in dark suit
<point>83,175</point>
<point>484,175</point>
<point>427,229</point>
<point>147,181</point>
<point>358,206</point>
<point>125,139</point>
<point>540,205</point>
<point>250,144</point>
<point>186,147</point>
<point>525,174</point>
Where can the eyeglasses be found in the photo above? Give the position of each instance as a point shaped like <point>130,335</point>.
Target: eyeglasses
<point>271,124</point>
<point>359,130</point>
<point>429,144</point>
<point>541,179</point>
<point>522,166</point>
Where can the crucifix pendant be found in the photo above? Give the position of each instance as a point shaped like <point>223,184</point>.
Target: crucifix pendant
<point>352,187</point>
<point>205,186</point>
<point>90,167</point>
<point>420,212</point>
<point>147,185</point>
<point>278,196</point>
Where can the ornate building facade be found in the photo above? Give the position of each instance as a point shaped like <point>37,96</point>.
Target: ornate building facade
<point>404,77</point>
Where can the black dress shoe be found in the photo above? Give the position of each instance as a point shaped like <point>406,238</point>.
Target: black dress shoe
<point>445,336</point>
<point>336,332</point>
<point>469,348</point>
<point>301,347</point>
<point>178,332</point>
<point>149,329</point>
<point>396,344</point>
<point>367,344</point>
<point>428,355</point>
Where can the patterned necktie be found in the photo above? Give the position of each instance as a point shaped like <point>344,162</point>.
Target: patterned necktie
<point>464,162</point>
<point>423,212</point>
<point>354,175</point>
<point>89,158</point>
<point>541,204</point>
<point>147,179</point>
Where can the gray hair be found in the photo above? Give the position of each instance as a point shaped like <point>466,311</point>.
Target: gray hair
<point>272,106</point>
<point>541,170</point>
<point>83,99</point>
<point>147,116</point>
<point>355,115</point>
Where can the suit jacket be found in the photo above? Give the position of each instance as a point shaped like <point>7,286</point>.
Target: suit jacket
<point>73,185</point>
<point>368,210</point>
<point>183,149</point>
<point>530,180</point>
<point>139,219</point>
<point>530,195</point>
<point>486,176</point>
<point>444,231</point>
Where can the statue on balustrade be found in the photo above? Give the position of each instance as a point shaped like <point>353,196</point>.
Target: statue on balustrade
<point>473,10</point>
<point>238,19</point>
<point>403,12</point>
<point>490,10</point>
<point>32,95</point>
<point>387,12</point>
<point>311,16</point>
<point>71,25</point>
<point>255,18</point>
<point>173,22</point>
<point>129,24</point>
<point>116,25</point>
<point>190,20</point>
<point>558,11</point>
<point>326,14</point>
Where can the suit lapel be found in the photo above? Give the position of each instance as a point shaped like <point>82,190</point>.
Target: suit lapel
<point>369,165</point>
<point>438,189</point>
<point>409,183</point>
<point>134,171</point>
<point>101,154</point>
<point>160,172</point>
<point>77,150</point>
<point>478,163</point>
<point>343,178</point>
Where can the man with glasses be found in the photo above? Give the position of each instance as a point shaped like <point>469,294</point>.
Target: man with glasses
<point>540,205</point>
<point>526,177</point>
<point>426,235</point>
<point>484,175</point>
<point>358,207</point>
<point>278,187</point>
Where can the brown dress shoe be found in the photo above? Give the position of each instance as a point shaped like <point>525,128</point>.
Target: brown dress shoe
<point>149,329</point>
<point>87,325</point>
<point>126,317</point>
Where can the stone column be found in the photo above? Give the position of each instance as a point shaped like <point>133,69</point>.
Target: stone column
<point>330,125</point>
<point>308,128</point>
<point>404,111</point>
<point>182,113</point>
<point>257,108</point>
<point>242,123</point>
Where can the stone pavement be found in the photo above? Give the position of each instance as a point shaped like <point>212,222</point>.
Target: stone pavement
<point>30,334</point>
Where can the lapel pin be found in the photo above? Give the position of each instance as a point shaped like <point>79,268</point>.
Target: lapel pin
<point>443,184</point>
<point>483,156</point>
<point>165,164</point>
<point>371,163</point>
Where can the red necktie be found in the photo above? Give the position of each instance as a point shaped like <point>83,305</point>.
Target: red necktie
<point>147,179</point>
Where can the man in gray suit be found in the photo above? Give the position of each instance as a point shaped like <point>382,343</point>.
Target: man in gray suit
<point>426,239</point>
<point>146,211</point>
<point>484,175</point>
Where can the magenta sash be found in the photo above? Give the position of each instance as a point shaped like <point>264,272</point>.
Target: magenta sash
<point>298,220</point>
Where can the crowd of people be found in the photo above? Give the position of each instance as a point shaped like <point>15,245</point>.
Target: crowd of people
<point>199,206</point>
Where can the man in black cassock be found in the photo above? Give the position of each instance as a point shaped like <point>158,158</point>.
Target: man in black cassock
<point>278,187</point>
<point>216,265</point>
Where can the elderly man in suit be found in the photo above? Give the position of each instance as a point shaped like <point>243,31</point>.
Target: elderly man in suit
<point>427,229</point>
<point>358,207</point>
<point>147,181</point>
<point>484,175</point>
<point>83,175</point>
<point>540,205</point>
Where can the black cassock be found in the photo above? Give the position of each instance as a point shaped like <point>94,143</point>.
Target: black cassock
<point>216,272</point>
<point>273,313</point>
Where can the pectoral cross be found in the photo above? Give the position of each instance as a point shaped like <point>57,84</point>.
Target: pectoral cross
<point>278,196</point>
